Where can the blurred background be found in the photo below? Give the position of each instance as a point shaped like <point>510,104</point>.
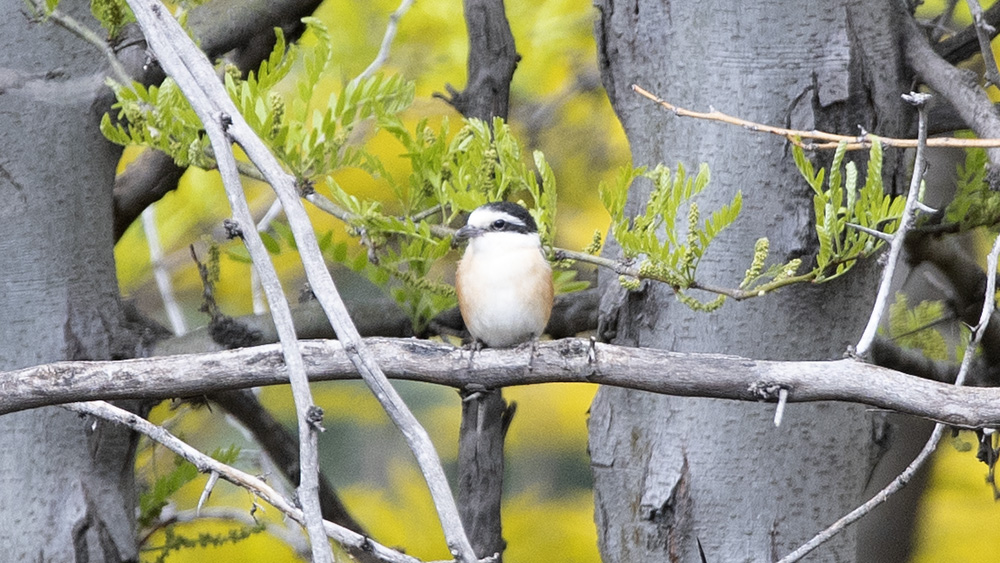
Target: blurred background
<point>557,106</point>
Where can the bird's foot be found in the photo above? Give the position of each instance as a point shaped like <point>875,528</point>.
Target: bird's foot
<point>532,347</point>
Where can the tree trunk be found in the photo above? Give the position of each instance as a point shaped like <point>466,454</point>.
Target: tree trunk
<point>672,473</point>
<point>66,482</point>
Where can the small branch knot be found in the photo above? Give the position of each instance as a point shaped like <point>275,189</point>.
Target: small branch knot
<point>306,187</point>
<point>916,99</point>
<point>314,416</point>
<point>233,229</point>
<point>225,120</point>
<point>765,391</point>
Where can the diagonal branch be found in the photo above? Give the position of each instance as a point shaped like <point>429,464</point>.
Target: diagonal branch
<point>905,223</point>
<point>984,33</point>
<point>965,43</point>
<point>150,15</point>
<point>70,24</point>
<point>281,446</point>
<point>220,26</point>
<point>958,86</point>
<point>206,464</point>
<point>226,25</point>
<point>387,39</point>
<point>157,22</point>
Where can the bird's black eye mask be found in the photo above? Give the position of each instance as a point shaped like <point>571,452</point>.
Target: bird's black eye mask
<point>508,226</point>
<point>520,220</point>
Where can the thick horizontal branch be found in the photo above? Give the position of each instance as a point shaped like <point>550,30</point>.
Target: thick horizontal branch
<point>569,360</point>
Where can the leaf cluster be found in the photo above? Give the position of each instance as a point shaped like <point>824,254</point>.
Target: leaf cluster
<point>483,162</point>
<point>669,254</point>
<point>449,175</point>
<point>161,118</point>
<point>313,141</point>
<point>310,141</point>
<point>975,204</point>
<point>112,14</point>
<point>847,220</point>
<point>911,327</point>
<point>759,281</point>
<point>844,212</point>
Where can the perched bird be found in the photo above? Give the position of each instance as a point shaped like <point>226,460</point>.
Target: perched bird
<point>504,283</point>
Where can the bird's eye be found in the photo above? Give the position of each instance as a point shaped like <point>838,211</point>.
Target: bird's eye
<point>499,224</point>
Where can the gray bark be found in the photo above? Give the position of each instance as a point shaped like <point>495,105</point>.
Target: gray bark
<point>672,472</point>
<point>67,483</point>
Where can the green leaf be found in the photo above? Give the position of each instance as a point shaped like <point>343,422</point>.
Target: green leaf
<point>317,59</point>
<point>238,253</point>
<point>544,196</point>
<point>275,68</point>
<point>851,185</point>
<point>284,232</point>
<point>974,204</point>
<point>672,256</point>
<point>112,14</point>
<point>114,133</point>
<point>270,243</point>
<point>913,327</point>
<point>152,502</point>
<point>338,251</point>
<point>805,168</point>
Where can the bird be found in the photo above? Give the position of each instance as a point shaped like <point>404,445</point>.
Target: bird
<point>503,281</point>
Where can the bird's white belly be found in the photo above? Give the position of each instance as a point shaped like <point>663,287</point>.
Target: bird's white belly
<point>509,298</point>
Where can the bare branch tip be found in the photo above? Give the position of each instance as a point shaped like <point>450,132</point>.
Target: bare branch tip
<point>916,99</point>
<point>779,412</point>
<point>213,478</point>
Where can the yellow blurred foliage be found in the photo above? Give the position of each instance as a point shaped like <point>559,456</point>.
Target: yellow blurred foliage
<point>550,418</point>
<point>958,519</point>
<point>537,528</point>
<point>545,529</point>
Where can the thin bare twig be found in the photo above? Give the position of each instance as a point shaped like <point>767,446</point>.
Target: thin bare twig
<point>83,32</point>
<point>984,31</point>
<point>968,99</point>
<point>905,223</point>
<point>153,17</point>
<point>390,35</point>
<point>827,140</point>
<point>259,305</point>
<point>160,272</point>
<point>193,61</point>
<point>206,464</point>
<point>898,483</point>
<point>213,478</point>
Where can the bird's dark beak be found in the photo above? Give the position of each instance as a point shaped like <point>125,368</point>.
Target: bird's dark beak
<point>465,233</point>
